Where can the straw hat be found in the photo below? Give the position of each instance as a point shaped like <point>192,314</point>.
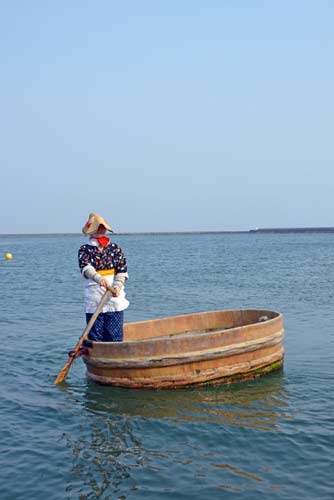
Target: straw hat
<point>93,223</point>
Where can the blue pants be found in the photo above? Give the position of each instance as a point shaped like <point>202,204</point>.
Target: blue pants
<point>108,327</point>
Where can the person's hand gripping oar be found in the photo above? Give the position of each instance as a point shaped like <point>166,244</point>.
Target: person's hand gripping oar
<point>64,372</point>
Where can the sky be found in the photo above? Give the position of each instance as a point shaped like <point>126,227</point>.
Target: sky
<point>178,115</point>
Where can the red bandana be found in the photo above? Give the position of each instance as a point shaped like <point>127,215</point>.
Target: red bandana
<point>103,241</point>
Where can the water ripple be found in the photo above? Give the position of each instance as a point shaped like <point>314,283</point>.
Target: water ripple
<point>270,438</point>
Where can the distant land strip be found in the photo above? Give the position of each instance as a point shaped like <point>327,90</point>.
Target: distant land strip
<point>293,230</point>
<point>162,233</point>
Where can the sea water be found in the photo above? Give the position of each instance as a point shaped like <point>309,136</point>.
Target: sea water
<point>269,438</point>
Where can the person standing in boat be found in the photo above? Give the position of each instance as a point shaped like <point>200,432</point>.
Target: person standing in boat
<point>103,266</point>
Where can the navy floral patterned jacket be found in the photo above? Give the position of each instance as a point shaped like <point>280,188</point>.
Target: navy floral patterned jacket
<point>108,257</point>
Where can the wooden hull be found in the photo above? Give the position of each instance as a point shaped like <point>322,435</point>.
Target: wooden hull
<point>195,349</point>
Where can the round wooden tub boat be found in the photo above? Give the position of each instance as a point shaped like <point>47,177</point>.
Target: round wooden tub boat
<point>194,349</point>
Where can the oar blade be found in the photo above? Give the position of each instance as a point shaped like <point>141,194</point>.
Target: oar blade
<point>61,377</point>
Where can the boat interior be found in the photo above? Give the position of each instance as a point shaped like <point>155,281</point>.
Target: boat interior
<point>202,322</point>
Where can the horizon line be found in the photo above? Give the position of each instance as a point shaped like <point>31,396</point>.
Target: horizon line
<point>245,231</point>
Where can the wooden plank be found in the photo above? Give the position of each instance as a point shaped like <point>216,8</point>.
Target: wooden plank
<point>184,357</point>
<point>242,371</point>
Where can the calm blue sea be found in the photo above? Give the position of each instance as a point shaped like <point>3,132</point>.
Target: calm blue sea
<point>272,438</point>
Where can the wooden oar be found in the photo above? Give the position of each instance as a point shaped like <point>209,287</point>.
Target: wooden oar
<point>64,372</point>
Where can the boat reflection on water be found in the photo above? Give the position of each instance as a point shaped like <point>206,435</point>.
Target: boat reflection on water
<point>128,435</point>
<point>258,404</point>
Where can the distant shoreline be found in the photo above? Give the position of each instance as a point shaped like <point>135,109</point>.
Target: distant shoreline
<point>277,230</point>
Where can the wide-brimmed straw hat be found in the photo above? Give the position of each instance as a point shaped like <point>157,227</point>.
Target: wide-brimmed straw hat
<point>93,223</point>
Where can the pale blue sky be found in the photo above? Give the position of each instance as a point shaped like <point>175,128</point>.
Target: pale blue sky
<point>166,115</point>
